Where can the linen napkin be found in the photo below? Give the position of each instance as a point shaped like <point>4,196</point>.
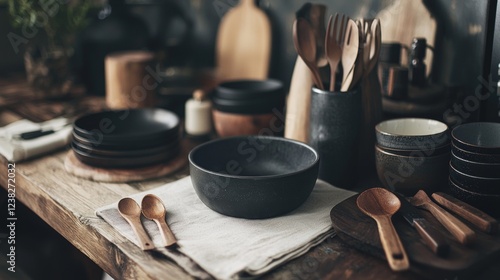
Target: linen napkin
<point>18,149</point>
<point>227,247</point>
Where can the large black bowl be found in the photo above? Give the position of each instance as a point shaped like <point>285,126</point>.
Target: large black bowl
<point>477,157</point>
<point>249,89</point>
<point>477,184</point>
<point>486,202</point>
<point>480,137</point>
<point>488,170</point>
<point>134,125</point>
<point>261,105</point>
<point>253,177</point>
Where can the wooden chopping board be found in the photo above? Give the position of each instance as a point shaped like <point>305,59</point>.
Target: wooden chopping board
<point>243,46</point>
<point>360,231</point>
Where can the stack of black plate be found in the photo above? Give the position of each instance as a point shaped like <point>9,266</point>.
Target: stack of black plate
<point>475,165</point>
<point>126,138</point>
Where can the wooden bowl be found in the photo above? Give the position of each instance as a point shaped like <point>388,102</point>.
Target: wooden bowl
<point>232,124</point>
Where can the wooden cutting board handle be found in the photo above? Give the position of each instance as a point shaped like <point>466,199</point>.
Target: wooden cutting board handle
<point>243,46</point>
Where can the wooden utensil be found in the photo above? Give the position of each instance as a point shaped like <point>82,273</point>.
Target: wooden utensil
<point>334,41</point>
<point>305,45</point>
<point>131,212</point>
<point>349,54</point>
<point>477,217</point>
<point>459,230</point>
<point>153,209</point>
<point>381,204</point>
<point>243,46</point>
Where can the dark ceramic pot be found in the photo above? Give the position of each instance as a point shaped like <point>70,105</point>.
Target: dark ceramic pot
<point>477,184</point>
<point>253,177</point>
<point>484,202</point>
<point>334,130</point>
<point>481,137</point>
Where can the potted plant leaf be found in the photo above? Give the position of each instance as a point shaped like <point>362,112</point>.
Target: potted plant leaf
<point>46,30</point>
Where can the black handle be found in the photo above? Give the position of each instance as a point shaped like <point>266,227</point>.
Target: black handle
<point>432,237</point>
<point>35,134</point>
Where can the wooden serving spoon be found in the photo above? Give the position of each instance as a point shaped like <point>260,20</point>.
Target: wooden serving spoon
<point>305,45</point>
<point>462,232</point>
<point>131,212</point>
<point>153,209</point>
<point>381,204</point>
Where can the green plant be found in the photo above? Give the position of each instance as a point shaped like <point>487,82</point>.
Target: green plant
<point>59,20</point>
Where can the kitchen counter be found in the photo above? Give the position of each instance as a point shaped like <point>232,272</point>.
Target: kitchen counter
<point>67,204</point>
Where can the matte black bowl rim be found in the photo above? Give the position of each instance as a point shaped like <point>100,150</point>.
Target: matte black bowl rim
<point>454,168</point>
<point>472,144</point>
<point>457,186</point>
<point>243,138</point>
<point>247,86</point>
<point>473,162</point>
<point>476,154</point>
<point>377,129</point>
<point>382,150</point>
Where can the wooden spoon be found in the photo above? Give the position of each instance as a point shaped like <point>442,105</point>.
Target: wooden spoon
<point>131,212</point>
<point>381,204</point>
<point>153,209</point>
<point>462,232</point>
<point>305,44</point>
<point>349,54</point>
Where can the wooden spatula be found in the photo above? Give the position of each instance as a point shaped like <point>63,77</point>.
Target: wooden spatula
<point>243,46</point>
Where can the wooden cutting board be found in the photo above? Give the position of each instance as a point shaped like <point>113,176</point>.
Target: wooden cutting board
<point>243,46</point>
<point>360,231</point>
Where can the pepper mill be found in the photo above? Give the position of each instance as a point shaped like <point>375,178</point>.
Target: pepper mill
<point>417,67</point>
<point>198,120</point>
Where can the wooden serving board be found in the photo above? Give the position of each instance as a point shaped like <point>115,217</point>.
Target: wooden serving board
<point>360,231</point>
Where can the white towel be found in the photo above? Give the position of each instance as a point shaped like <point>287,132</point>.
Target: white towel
<point>226,247</point>
<point>16,150</point>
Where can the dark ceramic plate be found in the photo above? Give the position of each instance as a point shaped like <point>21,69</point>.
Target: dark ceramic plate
<point>123,162</point>
<point>135,125</point>
<point>480,137</point>
<point>489,170</point>
<point>487,203</point>
<point>253,177</point>
<point>249,89</point>
<point>262,105</point>
<point>126,145</point>
<point>476,157</point>
<point>419,153</point>
<point>477,184</point>
<point>125,153</point>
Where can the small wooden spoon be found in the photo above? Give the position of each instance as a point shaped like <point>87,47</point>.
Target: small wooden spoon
<point>462,232</point>
<point>131,212</point>
<point>153,209</point>
<point>305,45</point>
<point>381,204</point>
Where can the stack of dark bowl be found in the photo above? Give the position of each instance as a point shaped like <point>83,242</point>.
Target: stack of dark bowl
<point>475,165</point>
<point>412,154</point>
<point>126,138</point>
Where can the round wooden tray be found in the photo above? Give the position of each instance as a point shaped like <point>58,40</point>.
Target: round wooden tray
<point>122,175</point>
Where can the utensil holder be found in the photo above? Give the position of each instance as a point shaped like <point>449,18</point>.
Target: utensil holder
<point>334,131</point>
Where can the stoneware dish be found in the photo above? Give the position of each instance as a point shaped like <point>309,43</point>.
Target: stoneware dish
<point>419,153</point>
<point>412,134</point>
<point>125,145</point>
<point>489,170</point>
<point>249,89</point>
<point>125,153</point>
<point>477,184</point>
<point>480,137</point>
<point>476,157</point>
<point>408,174</point>
<point>485,202</point>
<point>253,177</point>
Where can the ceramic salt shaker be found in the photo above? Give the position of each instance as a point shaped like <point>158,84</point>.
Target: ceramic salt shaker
<point>198,120</point>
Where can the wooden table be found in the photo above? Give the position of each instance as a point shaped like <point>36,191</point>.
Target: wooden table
<point>67,204</point>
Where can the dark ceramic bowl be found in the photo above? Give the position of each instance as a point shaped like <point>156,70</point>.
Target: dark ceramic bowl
<point>484,202</point>
<point>475,183</point>
<point>480,137</point>
<point>408,174</point>
<point>260,105</point>
<point>419,153</point>
<point>125,145</point>
<point>253,177</point>
<point>134,125</point>
<point>477,157</point>
<point>249,89</point>
<point>489,170</point>
<point>412,134</point>
<point>125,153</point>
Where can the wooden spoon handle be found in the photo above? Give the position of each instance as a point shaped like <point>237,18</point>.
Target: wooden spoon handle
<point>167,235</point>
<point>394,250</point>
<point>145,242</point>
<point>433,238</point>
<point>477,217</point>
<point>462,232</point>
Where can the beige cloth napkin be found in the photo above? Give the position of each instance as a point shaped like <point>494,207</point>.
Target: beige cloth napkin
<point>226,247</point>
<point>17,149</point>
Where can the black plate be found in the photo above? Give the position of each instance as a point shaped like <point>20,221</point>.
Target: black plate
<point>125,153</point>
<point>126,145</point>
<point>477,184</point>
<point>123,162</point>
<point>480,137</point>
<point>249,89</point>
<point>484,202</point>
<point>489,170</point>
<point>476,157</point>
<point>135,125</point>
